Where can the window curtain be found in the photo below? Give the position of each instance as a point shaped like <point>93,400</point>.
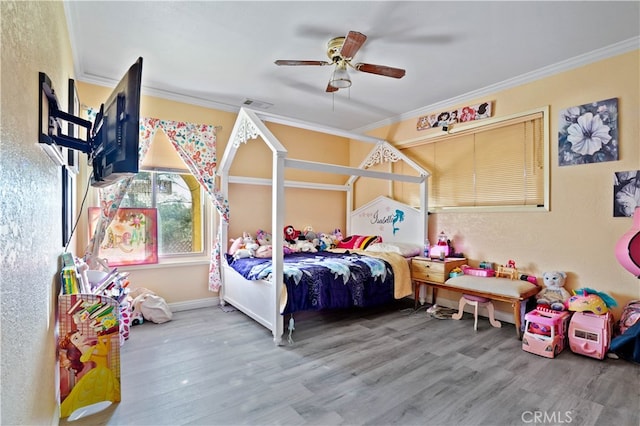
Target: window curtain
<point>196,145</point>
<point>111,196</point>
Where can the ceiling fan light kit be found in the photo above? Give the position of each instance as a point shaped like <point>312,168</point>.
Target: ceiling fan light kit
<point>340,51</point>
<point>340,78</point>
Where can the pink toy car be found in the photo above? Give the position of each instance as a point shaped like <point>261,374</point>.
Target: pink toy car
<point>545,332</point>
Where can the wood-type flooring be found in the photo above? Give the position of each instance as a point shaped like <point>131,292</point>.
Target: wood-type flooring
<point>383,366</point>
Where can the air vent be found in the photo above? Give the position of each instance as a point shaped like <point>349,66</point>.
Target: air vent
<point>257,104</point>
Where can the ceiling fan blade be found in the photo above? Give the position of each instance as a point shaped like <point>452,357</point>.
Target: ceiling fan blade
<point>381,70</point>
<point>330,88</point>
<point>290,62</point>
<point>352,44</point>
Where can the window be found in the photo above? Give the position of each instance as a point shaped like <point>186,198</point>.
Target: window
<point>495,163</point>
<point>178,200</point>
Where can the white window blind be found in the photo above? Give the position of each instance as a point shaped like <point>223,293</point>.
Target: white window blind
<point>501,164</point>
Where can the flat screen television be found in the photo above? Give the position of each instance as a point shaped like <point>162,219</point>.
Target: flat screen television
<point>116,131</point>
<point>113,138</point>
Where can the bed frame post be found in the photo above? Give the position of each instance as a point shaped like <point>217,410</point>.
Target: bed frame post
<point>277,218</point>
<point>424,209</point>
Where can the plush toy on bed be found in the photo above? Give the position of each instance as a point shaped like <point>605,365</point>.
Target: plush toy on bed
<point>247,248</point>
<point>291,234</point>
<point>236,245</point>
<point>554,294</point>
<point>337,235</point>
<point>265,249</point>
<point>311,236</point>
<point>325,242</point>
<point>263,237</point>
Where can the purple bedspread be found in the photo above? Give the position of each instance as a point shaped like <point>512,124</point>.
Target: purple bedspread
<point>326,280</point>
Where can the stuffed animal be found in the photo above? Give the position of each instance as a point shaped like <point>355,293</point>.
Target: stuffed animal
<point>249,242</point>
<point>589,300</point>
<point>325,242</point>
<point>304,246</point>
<point>247,248</point>
<point>554,294</point>
<point>291,234</point>
<point>236,245</point>
<point>263,237</point>
<point>311,236</point>
<point>265,249</point>
<point>337,235</point>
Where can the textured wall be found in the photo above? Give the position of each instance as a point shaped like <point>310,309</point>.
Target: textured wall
<point>34,38</point>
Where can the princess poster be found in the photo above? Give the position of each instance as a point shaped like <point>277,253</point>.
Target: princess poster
<point>132,237</point>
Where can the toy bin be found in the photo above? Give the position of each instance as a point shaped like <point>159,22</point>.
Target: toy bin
<point>88,353</point>
<point>590,334</point>
<point>545,332</point>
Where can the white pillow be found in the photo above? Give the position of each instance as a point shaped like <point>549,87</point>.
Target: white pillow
<point>404,249</point>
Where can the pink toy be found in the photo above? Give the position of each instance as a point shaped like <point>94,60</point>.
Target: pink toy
<point>628,247</point>
<point>590,334</point>
<point>441,248</point>
<point>545,332</point>
<point>478,272</point>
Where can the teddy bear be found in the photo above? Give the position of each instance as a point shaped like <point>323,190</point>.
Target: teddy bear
<point>554,294</point>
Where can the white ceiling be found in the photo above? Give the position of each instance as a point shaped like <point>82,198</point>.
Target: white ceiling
<point>219,53</point>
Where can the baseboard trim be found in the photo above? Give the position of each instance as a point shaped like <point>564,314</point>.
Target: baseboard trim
<point>194,304</point>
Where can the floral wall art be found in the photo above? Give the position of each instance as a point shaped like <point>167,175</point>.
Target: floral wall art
<point>588,133</point>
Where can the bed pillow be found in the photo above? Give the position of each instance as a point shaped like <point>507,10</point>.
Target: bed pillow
<point>359,241</point>
<point>404,249</point>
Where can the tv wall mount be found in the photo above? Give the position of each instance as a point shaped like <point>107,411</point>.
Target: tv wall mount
<point>49,121</point>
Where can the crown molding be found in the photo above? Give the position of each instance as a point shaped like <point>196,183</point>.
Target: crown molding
<point>566,65</point>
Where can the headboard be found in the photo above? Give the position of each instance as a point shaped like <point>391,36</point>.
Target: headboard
<point>393,220</point>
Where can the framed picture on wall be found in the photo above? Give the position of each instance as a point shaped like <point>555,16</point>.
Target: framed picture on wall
<point>626,193</point>
<point>588,133</point>
<point>132,237</point>
<point>68,189</point>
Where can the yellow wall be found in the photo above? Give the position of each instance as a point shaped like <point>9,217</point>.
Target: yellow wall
<point>34,38</point>
<point>578,235</point>
<point>250,205</point>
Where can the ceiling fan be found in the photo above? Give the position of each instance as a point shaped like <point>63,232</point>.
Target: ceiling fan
<point>341,51</point>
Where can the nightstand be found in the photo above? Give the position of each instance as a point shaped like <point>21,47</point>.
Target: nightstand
<point>425,271</point>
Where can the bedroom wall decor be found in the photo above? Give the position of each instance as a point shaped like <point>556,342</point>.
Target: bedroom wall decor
<point>130,239</point>
<point>588,133</point>
<point>460,115</point>
<point>626,193</point>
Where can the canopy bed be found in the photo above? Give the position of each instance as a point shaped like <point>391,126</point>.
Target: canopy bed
<point>269,293</point>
